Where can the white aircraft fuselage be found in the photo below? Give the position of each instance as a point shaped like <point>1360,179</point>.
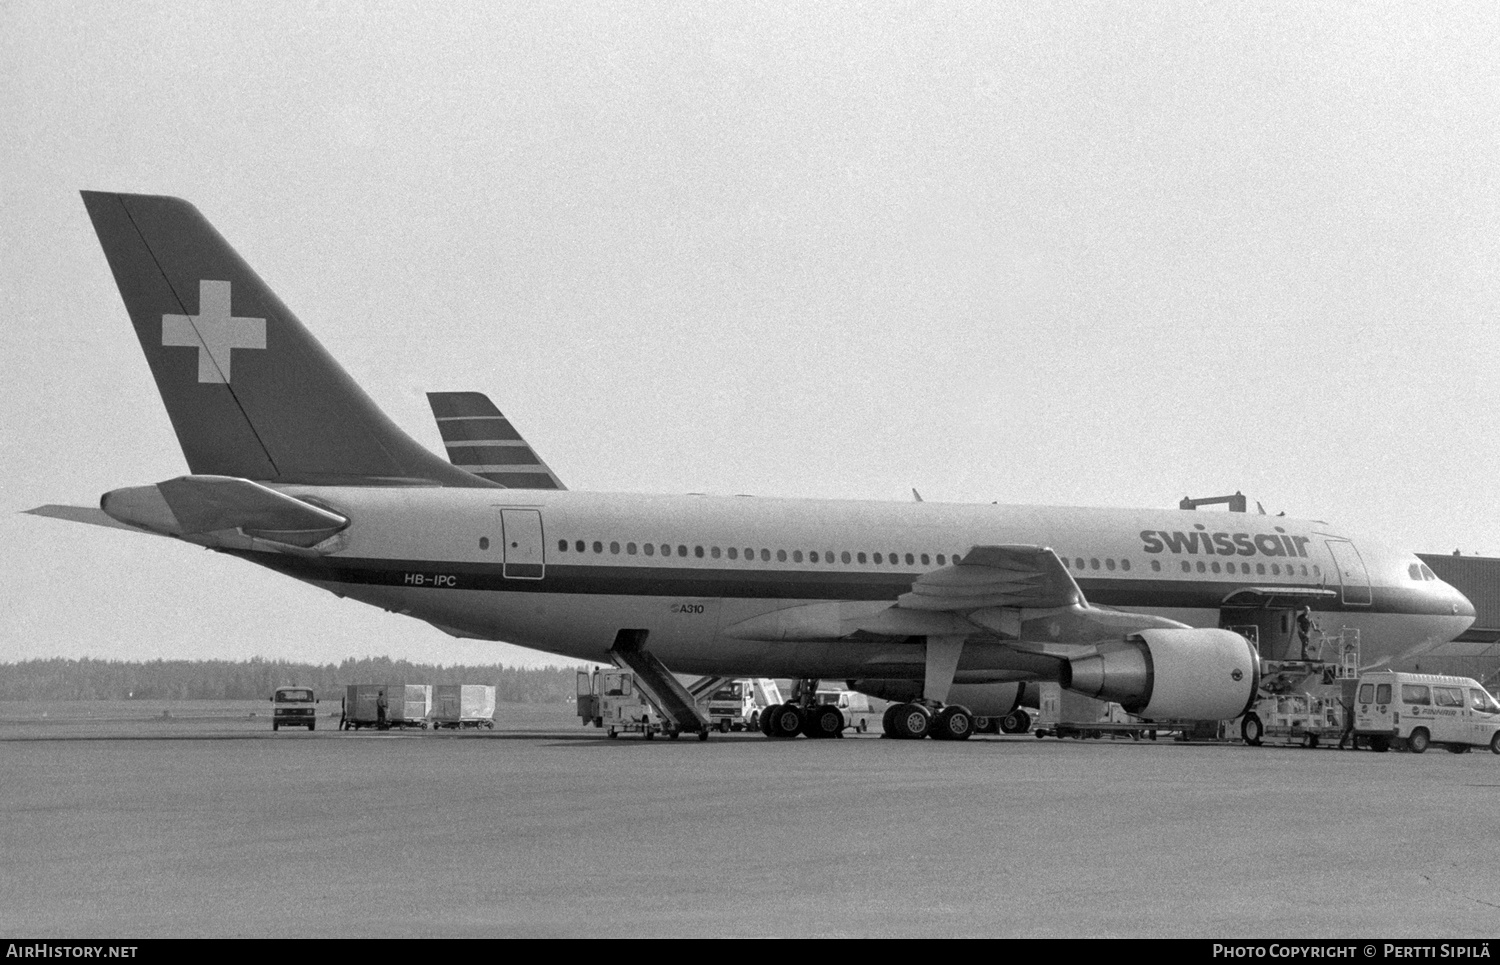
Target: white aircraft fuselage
<point>564,571</point>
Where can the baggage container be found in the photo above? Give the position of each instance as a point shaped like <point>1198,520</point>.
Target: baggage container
<point>407,705</point>
<point>463,705</point>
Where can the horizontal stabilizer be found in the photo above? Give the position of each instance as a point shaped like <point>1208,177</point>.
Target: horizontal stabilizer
<point>191,505</point>
<point>481,440</point>
<point>92,515</point>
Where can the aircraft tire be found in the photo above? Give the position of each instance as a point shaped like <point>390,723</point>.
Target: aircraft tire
<point>913,721</point>
<point>786,721</point>
<point>953,724</point>
<point>1418,741</point>
<point>823,721</point>
<point>888,721</point>
<point>1251,730</point>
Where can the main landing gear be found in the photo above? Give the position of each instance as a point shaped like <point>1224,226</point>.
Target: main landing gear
<point>803,716</point>
<point>914,721</point>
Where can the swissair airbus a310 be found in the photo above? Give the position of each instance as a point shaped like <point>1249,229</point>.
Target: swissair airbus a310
<point>947,608</point>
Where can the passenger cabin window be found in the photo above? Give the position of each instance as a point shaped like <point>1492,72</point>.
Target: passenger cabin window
<point>1448,696</point>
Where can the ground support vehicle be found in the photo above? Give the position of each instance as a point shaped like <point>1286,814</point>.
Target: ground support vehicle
<point>457,706</point>
<point>407,705</point>
<point>854,706</point>
<point>614,701</point>
<point>1412,711</point>
<point>731,706</point>
<point>1066,714</point>
<point>294,707</point>
<point>1307,719</point>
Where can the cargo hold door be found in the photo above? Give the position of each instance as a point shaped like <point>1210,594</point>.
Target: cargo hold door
<point>525,553</point>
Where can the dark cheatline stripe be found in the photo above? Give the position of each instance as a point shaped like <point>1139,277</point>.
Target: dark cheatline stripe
<point>741,583</point>
<point>521,480</point>
<point>497,429</point>
<point>492,456</point>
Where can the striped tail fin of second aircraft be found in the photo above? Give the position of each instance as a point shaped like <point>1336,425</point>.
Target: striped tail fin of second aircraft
<point>482,441</point>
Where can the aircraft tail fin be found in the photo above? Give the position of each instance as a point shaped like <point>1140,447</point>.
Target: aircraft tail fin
<point>250,392</point>
<point>482,441</point>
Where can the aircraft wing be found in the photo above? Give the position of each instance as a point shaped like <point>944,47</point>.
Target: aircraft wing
<point>1014,592</point>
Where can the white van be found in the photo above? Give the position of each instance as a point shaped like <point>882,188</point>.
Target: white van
<point>1415,710</point>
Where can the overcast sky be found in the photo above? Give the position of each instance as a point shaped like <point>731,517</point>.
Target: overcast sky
<point>1054,253</point>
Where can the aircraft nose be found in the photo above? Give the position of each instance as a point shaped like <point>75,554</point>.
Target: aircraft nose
<point>1460,603</point>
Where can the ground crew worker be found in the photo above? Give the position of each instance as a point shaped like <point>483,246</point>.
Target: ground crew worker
<point>1305,628</point>
<point>380,708</point>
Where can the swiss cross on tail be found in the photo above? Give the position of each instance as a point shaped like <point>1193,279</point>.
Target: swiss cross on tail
<point>213,331</point>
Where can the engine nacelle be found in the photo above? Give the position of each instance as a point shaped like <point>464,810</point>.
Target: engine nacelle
<point>1188,674</point>
<point>983,700</point>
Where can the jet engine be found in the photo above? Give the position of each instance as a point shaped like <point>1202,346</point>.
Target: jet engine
<point>1188,674</point>
<point>983,700</point>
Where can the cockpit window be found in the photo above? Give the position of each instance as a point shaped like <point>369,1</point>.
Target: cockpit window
<point>1427,572</point>
<point>1415,571</point>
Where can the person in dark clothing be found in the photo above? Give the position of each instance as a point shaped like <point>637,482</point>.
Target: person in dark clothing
<point>380,709</point>
<point>1305,628</point>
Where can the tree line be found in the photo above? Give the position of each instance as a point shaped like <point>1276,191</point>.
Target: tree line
<point>255,679</point>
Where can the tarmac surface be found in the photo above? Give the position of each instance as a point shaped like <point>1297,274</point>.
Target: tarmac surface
<point>118,822</point>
